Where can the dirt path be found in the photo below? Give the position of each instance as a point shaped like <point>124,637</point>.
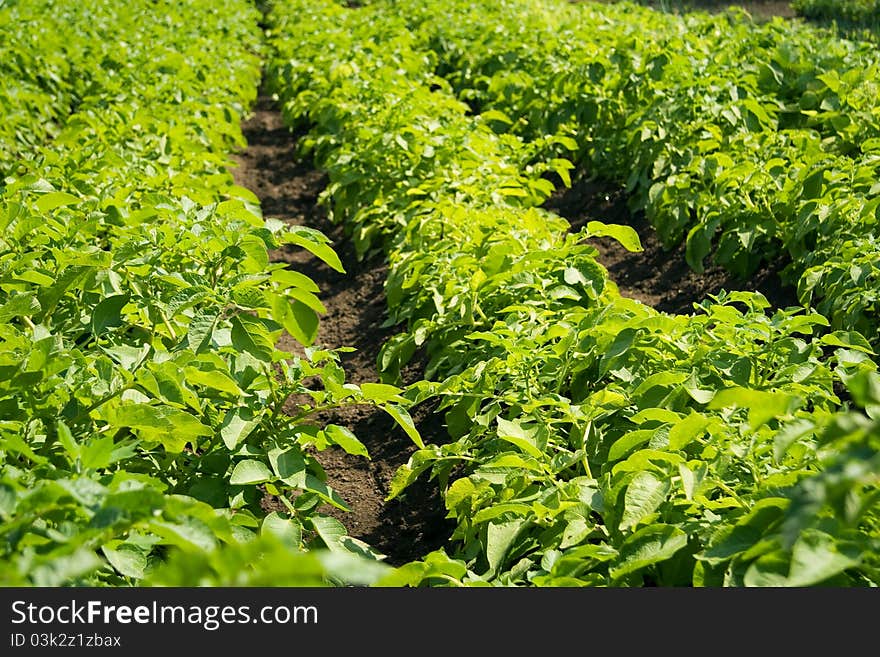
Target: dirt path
<point>288,187</point>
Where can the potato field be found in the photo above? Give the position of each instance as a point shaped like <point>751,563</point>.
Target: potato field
<point>439,293</point>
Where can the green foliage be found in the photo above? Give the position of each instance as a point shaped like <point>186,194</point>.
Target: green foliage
<point>593,441</point>
<point>146,413</point>
<point>848,11</point>
<point>751,142</point>
<point>272,559</point>
<point>854,19</point>
<point>37,88</point>
<point>148,417</point>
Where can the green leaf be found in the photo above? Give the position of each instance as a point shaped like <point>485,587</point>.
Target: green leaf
<point>211,377</point>
<point>66,568</point>
<point>314,485</point>
<point>54,200</point>
<point>189,533</point>
<point>292,470</point>
<point>315,243</point>
<point>308,299</point>
<point>296,318</point>
<point>648,546</point>
<point>70,278</point>
<point>495,115</point>
<point>865,389</point>
<point>436,564</point>
<point>689,480</point>
<point>287,464</point>
<point>848,339</point>
<point>462,492</point>
<point>697,246</point>
<point>645,459</point>
<point>237,426</point>
<point>331,531</point>
<point>35,277</point>
<point>108,314</point>
<point>492,512</point>
<point>686,430</point>
<point>250,472</point>
<point>565,141</point>
<point>15,443</point>
<point>763,406</point>
<point>628,442</point>
<point>500,536</point>
<point>699,395</point>
<point>288,278</point>
<point>96,453</point>
<point>128,560</point>
<point>403,418</point>
<point>381,392</point>
<point>171,427</point>
<point>201,330</point>
<point>129,357</point>
<point>21,305</point>
<point>257,259</point>
<point>250,335</point>
<point>817,557</point>
<point>168,385</point>
<point>514,433</point>
<point>215,380</point>
<point>346,440</point>
<point>67,441</point>
<point>514,460</point>
<point>576,531</point>
<point>407,473</point>
<point>283,527</point>
<point>563,169</point>
<point>626,235</point>
<point>357,567</point>
<point>748,531</point>
<point>788,435</point>
<point>769,570</point>
<point>645,493</point>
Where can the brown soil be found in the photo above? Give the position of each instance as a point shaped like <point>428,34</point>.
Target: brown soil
<point>656,277</point>
<point>288,187</point>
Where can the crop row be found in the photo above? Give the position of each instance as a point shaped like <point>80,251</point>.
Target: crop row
<point>144,413</point>
<point>36,87</point>
<point>752,142</point>
<point>865,12</point>
<point>853,19</point>
<point>593,440</point>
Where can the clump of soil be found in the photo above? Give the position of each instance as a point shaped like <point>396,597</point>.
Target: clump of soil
<point>288,187</point>
<point>658,278</point>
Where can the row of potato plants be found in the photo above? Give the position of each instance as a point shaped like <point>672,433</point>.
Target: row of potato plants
<point>592,440</point>
<point>853,19</point>
<point>36,88</point>
<point>866,12</point>
<point>146,413</point>
<point>752,142</point>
